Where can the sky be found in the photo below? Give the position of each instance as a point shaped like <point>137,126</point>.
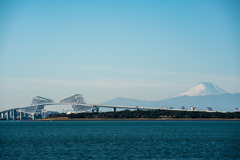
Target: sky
<point>104,49</point>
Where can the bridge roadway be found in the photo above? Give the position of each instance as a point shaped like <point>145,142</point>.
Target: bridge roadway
<point>94,105</point>
<point>104,106</point>
<point>125,107</point>
<point>12,113</point>
<point>120,107</point>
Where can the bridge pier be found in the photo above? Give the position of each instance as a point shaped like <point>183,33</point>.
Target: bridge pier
<point>34,117</point>
<point>21,116</point>
<point>14,114</point>
<point>114,109</point>
<point>11,114</point>
<point>2,115</point>
<point>8,115</point>
<point>43,115</point>
<point>25,115</point>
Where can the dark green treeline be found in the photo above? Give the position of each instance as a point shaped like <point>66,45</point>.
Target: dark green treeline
<point>151,114</point>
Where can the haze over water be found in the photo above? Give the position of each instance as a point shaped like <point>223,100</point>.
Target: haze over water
<point>120,140</point>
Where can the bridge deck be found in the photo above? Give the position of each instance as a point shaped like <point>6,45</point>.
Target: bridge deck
<point>106,106</point>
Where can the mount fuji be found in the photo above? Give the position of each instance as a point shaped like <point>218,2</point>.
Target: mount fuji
<point>203,89</point>
<point>203,95</point>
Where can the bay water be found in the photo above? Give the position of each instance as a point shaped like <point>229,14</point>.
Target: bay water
<point>196,140</point>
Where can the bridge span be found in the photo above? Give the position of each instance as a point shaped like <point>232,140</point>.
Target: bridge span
<point>37,108</point>
<point>36,111</point>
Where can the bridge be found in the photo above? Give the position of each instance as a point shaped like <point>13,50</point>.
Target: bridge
<point>77,102</point>
<point>36,109</point>
<point>23,113</point>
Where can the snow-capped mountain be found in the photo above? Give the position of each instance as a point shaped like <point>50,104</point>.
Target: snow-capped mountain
<point>203,89</point>
<point>201,96</point>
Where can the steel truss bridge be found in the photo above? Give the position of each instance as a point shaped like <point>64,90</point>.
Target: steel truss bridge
<point>36,109</point>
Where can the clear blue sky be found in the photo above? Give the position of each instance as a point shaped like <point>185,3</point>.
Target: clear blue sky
<point>104,49</point>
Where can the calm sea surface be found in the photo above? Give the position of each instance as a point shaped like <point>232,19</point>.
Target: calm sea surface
<point>120,140</point>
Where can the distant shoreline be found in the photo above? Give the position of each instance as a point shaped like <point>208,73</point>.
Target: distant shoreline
<point>134,119</point>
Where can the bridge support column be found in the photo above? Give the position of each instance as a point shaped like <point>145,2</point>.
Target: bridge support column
<point>43,115</point>
<point>34,116</point>
<point>25,115</point>
<point>21,116</point>
<point>114,109</point>
<point>8,115</point>
<point>14,114</point>
<point>11,113</point>
<point>2,115</point>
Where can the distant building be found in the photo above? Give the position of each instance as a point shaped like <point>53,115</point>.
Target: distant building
<point>209,108</point>
<point>193,108</point>
<point>170,107</point>
<point>182,107</point>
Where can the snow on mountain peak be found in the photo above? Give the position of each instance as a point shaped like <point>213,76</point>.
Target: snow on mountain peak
<point>203,89</point>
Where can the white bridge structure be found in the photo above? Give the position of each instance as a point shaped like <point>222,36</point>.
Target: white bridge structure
<point>77,102</point>
<point>36,109</point>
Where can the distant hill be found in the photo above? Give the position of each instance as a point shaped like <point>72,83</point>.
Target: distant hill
<point>224,102</point>
<point>201,96</point>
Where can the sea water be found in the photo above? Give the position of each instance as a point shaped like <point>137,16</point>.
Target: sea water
<point>196,140</point>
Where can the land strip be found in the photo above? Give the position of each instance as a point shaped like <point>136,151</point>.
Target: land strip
<point>137,119</point>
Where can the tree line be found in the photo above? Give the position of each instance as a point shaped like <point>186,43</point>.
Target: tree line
<point>150,114</point>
